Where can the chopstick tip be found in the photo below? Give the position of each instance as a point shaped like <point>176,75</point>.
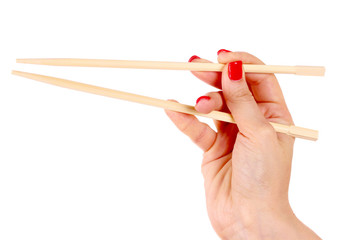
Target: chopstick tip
<point>22,60</point>
<point>17,73</point>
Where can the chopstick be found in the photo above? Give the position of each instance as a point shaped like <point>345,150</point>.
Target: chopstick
<point>292,130</point>
<point>216,67</point>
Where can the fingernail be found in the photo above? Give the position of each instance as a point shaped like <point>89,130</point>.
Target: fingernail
<point>193,57</point>
<point>201,98</point>
<point>223,50</point>
<point>235,70</point>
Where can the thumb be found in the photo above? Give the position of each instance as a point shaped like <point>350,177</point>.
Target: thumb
<point>240,100</point>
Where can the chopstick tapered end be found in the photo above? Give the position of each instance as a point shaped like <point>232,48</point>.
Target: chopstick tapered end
<point>21,74</point>
<point>14,72</point>
<point>30,60</point>
<point>20,60</point>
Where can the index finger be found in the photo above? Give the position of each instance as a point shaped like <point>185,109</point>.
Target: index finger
<point>211,78</point>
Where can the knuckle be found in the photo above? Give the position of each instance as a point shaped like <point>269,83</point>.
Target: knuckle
<point>239,96</point>
<point>217,100</point>
<point>199,137</point>
<point>185,125</point>
<point>214,95</point>
<point>266,132</point>
<point>260,136</point>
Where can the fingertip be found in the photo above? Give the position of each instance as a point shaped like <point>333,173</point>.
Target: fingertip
<point>222,55</point>
<point>235,70</point>
<point>211,78</point>
<point>192,58</point>
<point>222,51</point>
<point>200,99</point>
<point>203,104</point>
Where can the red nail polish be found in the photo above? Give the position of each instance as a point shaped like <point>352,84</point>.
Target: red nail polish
<point>235,70</point>
<point>193,57</point>
<point>223,50</point>
<point>201,98</point>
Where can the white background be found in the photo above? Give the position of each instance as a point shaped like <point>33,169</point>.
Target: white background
<point>80,166</point>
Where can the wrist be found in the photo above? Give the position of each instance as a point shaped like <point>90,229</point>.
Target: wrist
<point>268,223</point>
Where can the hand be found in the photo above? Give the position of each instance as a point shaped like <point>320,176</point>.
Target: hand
<point>247,165</point>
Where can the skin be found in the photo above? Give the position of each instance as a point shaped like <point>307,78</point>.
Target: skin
<point>247,165</point>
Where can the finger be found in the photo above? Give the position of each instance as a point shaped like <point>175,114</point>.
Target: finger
<point>241,102</point>
<point>265,87</point>
<point>212,101</point>
<point>211,78</point>
<point>200,133</point>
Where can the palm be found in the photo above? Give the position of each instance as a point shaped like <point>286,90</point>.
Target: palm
<point>217,171</point>
<point>218,175</point>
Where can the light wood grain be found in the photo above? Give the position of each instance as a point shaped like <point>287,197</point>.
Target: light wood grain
<point>294,131</point>
<point>216,67</point>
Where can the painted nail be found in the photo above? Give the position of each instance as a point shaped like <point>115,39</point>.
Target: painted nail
<point>193,57</point>
<point>223,50</point>
<point>201,98</point>
<point>235,70</point>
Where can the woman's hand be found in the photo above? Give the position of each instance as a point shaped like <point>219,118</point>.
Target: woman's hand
<point>247,165</point>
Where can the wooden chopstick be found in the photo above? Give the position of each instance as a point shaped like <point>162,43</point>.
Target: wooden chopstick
<point>217,67</point>
<point>292,130</point>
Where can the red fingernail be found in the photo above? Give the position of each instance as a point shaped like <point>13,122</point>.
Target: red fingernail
<point>223,50</point>
<point>235,70</point>
<point>193,57</point>
<point>201,98</point>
